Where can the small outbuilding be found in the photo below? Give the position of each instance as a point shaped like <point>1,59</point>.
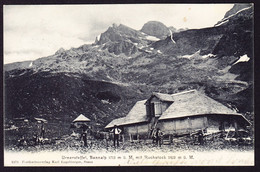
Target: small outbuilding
<point>80,120</point>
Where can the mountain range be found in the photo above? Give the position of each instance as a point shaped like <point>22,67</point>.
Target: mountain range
<point>103,80</point>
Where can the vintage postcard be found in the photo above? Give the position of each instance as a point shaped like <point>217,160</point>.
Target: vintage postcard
<point>129,85</point>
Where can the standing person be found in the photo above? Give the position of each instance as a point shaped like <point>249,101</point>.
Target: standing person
<point>200,138</point>
<point>84,137</point>
<point>84,128</point>
<point>36,139</point>
<point>153,135</point>
<point>22,141</point>
<point>42,131</point>
<point>158,137</point>
<point>116,131</point>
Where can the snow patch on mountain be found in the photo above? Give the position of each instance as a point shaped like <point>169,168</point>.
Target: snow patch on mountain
<point>208,55</point>
<point>191,55</point>
<point>171,37</point>
<point>243,58</point>
<point>187,56</point>
<point>140,46</point>
<point>95,46</point>
<point>152,38</point>
<point>105,101</point>
<point>227,18</point>
<point>222,22</point>
<point>98,37</point>
<point>237,12</point>
<point>148,51</point>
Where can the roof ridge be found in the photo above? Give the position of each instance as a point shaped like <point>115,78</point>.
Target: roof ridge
<point>81,117</point>
<point>160,93</point>
<point>184,92</point>
<point>141,100</point>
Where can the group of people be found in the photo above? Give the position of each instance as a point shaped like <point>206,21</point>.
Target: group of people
<point>38,138</point>
<point>157,135</point>
<point>86,130</point>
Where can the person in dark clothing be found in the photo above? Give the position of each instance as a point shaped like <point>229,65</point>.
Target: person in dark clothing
<point>84,138</point>
<point>153,131</point>
<point>158,137</point>
<point>84,128</point>
<point>200,138</point>
<point>42,131</point>
<point>22,141</point>
<point>116,131</point>
<point>36,139</point>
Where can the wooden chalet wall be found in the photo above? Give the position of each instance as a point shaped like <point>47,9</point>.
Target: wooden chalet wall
<point>188,124</point>
<point>140,129</point>
<point>182,125</point>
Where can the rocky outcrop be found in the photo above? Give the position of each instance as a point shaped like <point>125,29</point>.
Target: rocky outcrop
<point>233,37</point>
<point>156,29</point>
<point>237,7</point>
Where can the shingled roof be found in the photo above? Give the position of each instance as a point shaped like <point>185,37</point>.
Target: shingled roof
<point>186,103</point>
<point>192,103</point>
<point>81,118</point>
<point>136,115</point>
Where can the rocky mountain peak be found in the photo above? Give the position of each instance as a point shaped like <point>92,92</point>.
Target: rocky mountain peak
<point>110,35</point>
<point>155,28</point>
<point>61,50</point>
<point>236,14</point>
<point>236,8</point>
<point>114,25</point>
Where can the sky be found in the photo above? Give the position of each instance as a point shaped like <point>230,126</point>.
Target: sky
<point>34,31</point>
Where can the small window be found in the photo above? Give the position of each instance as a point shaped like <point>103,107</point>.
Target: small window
<point>157,108</point>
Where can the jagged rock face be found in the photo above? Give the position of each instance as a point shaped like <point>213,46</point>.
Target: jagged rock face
<point>233,37</point>
<point>122,40</point>
<point>236,8</point>
<point>238,37</point>
<point>156,29</point>
<point>118,33</point>
<point>239,11</point>
<point>190,41</point>
<point>110,35</point>
<point>60,51</point>
<point>121,47</point>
